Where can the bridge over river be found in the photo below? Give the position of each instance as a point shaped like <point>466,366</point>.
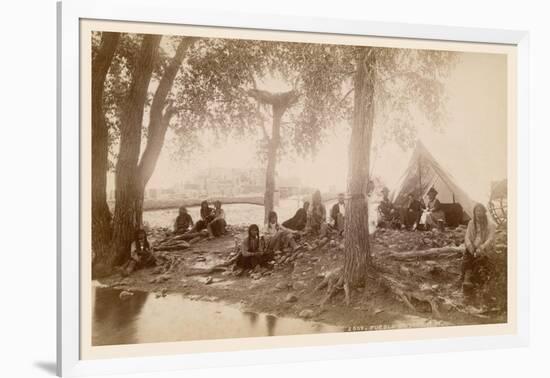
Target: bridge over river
<point>173,203</point>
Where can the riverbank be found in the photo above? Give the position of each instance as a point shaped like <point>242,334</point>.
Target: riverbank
<point>289,289</point>
<point>151,204</point>
<point>174,203</point>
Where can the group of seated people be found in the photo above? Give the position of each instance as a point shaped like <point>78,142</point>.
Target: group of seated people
<point>212,219</point>
<point>312,218</point>
<point>414,215</point>
<point>258,248</point>
<point>478,240</point>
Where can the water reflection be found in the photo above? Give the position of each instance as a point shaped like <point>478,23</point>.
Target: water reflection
<point>143,318</point>
<point>270,321</point>
<point>115,319</point>
<point>252,317</point>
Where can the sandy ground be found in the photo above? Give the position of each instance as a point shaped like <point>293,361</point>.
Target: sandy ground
<point>289,288</point>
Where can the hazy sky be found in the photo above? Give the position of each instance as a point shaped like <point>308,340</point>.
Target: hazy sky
<point>472,146</point>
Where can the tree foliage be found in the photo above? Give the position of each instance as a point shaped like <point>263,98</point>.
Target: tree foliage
<point>409,88</point>
<point>221,73</point>
<point>119,79</point>
<point>213,90</point>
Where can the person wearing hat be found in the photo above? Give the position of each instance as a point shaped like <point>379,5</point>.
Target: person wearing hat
<point>183,221</point>
<point>434,215</point>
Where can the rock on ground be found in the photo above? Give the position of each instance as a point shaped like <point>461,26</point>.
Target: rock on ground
<point>291,298</point>
<point>125,294</point>
<point>306,314</point>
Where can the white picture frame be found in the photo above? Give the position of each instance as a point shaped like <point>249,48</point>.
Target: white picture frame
<point>70,12</point>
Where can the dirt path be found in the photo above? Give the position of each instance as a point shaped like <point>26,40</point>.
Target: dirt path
<point>289,289</point>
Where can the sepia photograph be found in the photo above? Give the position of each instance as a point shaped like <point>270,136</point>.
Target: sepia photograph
<point>249,187</point>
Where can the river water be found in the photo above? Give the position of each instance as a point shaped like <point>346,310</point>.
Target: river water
<point>244,214</point>
<point>235,214</point>
<point>144,318</point>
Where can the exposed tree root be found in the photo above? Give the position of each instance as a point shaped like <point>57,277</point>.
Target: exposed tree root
<point>179,242</point>
<point>201,271</point>
<point>216,268</point>
<point>334,282</point>
<point>443,252</point>
<point>409,296</point>
<point>172,247</point>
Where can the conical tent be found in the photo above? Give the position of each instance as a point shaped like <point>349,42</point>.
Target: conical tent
<point>425,172</point>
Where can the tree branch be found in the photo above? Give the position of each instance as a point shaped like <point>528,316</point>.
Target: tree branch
<point>262,124</point>
<point>345,96</point>
<point>160,113</point>
<point>253,80</point>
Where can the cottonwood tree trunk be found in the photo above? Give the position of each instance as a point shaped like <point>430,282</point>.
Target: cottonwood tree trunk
<point>272,148</point>
<point>126,179</point>
<point>149,160</point>
<point>159,119</point>
<point>101,215</point>
<point>357,246</point>
<point>280,103</point>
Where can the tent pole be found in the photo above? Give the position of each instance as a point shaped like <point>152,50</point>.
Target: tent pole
<point>419,177</point>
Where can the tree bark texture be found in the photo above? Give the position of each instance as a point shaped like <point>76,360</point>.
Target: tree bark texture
<point>101,215</point>
<point>357,245</point>
<point>126,179</point>
<point>159,119</point>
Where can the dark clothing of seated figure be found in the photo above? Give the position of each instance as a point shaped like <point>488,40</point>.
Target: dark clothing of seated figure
<point>316,217</point>
<point>385,208</point>
<point>299,220</point>
<point>217,225</point>
<point>183,223</point>
<point>337,214</point>
<point>411,214</point>
<point>253,250</point>
<point>472,270</point>
<point>140,255</point>
<point>207,216</point>
<point>388,214</point>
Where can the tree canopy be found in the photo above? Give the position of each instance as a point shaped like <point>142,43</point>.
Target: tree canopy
<point>236,87</point>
